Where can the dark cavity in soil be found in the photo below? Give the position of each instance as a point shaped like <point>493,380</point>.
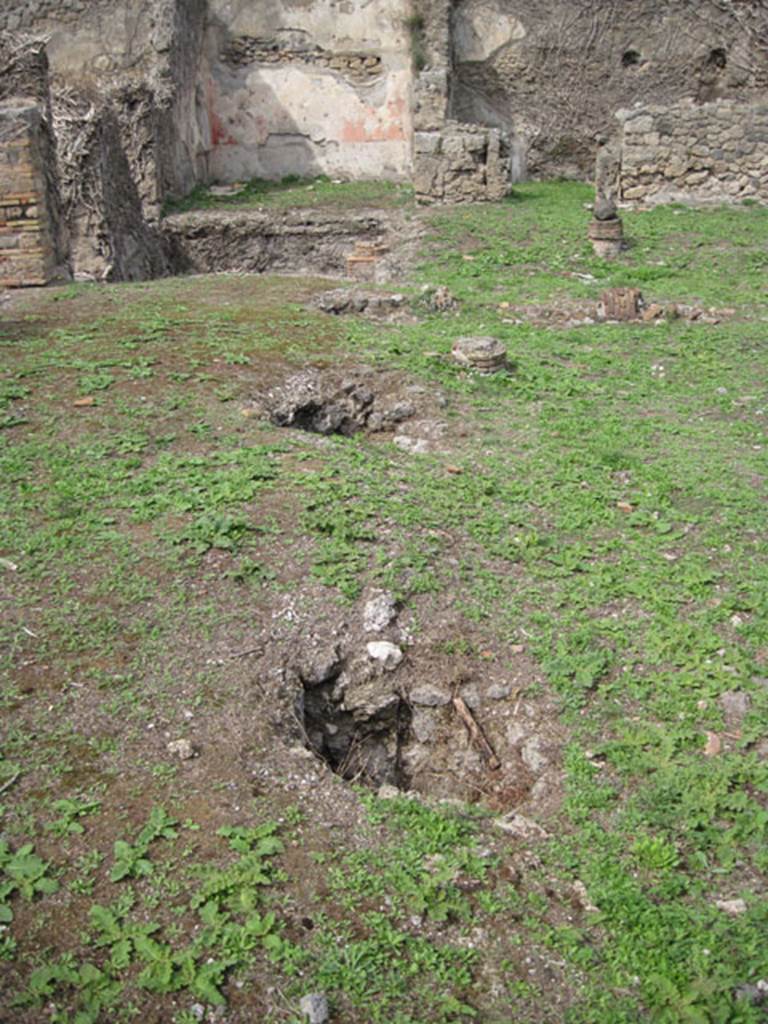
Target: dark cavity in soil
<point>365,748</point>
<point>325,402</point>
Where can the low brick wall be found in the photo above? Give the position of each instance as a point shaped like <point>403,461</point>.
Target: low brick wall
<point>27,252</point>
<point>708,152</point>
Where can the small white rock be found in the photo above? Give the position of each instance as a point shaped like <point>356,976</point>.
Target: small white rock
<point>182,749</point>
<point>520,826</point>
<point>471,697</point>
<point>516,733</point>
<point>386,654</point>
<point>314,1008</point>
<point>499,691</point>
<point>534,756</point>
<point>388,792</point>
<point>414,445</point>
<point>379,611</point>
<point>581,894</point>
<point>732,907</point>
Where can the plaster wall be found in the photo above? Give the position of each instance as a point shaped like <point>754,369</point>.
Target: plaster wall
<point>300,87</point>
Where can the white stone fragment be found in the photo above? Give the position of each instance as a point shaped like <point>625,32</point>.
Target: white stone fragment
<point>386,654</point>
<point>732,907</point>
<point>182,749</point>
<point>380,609</point>
<point>520,826</point>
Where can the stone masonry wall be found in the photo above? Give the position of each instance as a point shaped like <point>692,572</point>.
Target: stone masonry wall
<point>695,152</point>
<point>244,88</point>
<point>459,95</point>
<point>130,130</point>
<point>453,162</point>
<point>15,16</point>
<point>552,73</point>
<point>111,238</point>
<point>144,58</point>
<point>461,163</point>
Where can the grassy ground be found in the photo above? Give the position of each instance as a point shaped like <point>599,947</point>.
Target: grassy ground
<point>292,192</point>
<point>603,508</point>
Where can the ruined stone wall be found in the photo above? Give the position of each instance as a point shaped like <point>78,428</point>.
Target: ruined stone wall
<point>553,72</point>
<point>431,49</point>
<point>461,163</point>
<point>111,239</point>
<point>695,152</point>
<point>243,88</point>
<point>29,13</point>
<point>462,96</point>
<point>309,88</point>
<point>453,162</point>
<point>143,58</point>
<point>124,87</point>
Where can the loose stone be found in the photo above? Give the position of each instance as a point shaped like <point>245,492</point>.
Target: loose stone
<point>386,654</point>
<point>380,609</point>
<point>499,691</point>
<point>732,907</point>
<point>182,749</point>
<point>314,1008</point>
<point>520,826</point>
<point>429,696</point>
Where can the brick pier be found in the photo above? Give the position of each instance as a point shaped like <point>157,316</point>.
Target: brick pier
<point>27,252</point>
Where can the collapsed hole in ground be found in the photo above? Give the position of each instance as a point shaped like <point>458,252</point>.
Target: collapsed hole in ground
<point>345,415</point>
<point>717,58</point>
<point>325,402</point>
<point>360,748</point>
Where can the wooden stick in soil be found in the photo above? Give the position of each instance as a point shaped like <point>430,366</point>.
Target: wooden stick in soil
<point>476,733</point>
<point>12,781</point>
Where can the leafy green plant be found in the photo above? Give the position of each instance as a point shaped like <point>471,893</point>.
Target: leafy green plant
<point>130,859</point>
<point>231,930</point>
<point>22,872</point>
<point>69,812</point>
<point>248,570</point>
<point>96,382</point>
<point>594,519</point>
<point>654,853</point>
<point>97,990</point>
<point>85,866</point>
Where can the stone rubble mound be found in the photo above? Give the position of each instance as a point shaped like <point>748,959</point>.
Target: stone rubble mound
<point>342,301</point>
